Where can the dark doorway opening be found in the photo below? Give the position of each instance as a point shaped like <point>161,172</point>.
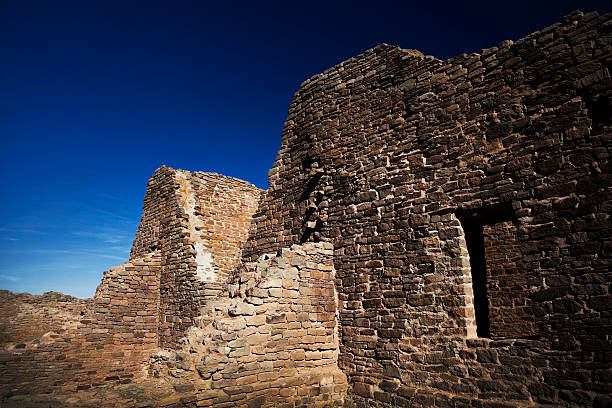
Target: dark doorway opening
<point>473,222</point>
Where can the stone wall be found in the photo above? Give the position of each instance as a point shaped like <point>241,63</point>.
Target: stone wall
<point>25,317</point>
<point>198,222</point>
<point>272,339</point>
<point>272,342</point>
<point>510,306</point>
<point>220,211</point>
<point>436,233</point>
<point>126,304</point>
<point>158,209</point>
<point>385,154</point>
<point>106,343</point>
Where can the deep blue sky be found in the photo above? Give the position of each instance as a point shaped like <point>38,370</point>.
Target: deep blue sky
<point>94,96</point>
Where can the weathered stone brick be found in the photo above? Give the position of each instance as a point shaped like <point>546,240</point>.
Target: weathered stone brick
<point>239,292</point>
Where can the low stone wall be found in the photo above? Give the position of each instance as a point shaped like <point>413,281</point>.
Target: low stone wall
<point>126,304</point>
<point>273,343</point>
<point>107,345</point>
<point>25,317</point>
<point>270,340</point>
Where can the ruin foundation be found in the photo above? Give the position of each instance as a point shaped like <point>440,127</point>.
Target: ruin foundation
<point>435,234</point>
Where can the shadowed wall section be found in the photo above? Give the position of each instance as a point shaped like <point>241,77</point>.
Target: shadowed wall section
<point>383,154</point>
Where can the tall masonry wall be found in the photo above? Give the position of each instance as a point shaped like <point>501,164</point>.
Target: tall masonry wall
<point>410,166</point>
<point>198,222</point>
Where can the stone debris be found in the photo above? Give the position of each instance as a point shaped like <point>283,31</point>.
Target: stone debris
<point>436,233</point>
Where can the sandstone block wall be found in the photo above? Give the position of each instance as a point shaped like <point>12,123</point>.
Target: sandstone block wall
<point>221,210</point>
<point>274,342</point>
<point>197,221</point>
<point>391,155</point>
<point>510,306</point>
<point>158,209</point>
<point>436,233</point>
<point>126,304</point>
<point>271,340</point>
<point>106,343</point>
<point>25,317</point>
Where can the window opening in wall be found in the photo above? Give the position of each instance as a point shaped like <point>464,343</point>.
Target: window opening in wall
<point>475,245</point>
<point>473,223</point>
<point>598,110</point>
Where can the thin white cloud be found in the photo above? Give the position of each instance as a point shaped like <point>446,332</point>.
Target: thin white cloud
<point>111,214</point>
<point>23,231</point>
<point>74,252</point>
<point>113,197</point>
<point>118,258</point>
<point>111,237</point>
<point>119,248</point>
<point>10,278</point>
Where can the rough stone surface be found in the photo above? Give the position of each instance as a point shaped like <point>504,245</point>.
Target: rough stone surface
<point>105,340</point>
<point>388,156</point>
<point>186,215</point>
<point>25,317</point>
<point>436,233</point>
<point>274,340</point>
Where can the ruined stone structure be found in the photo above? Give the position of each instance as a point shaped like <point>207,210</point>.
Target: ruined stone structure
<point>435,233</point>
<point>184,321</point>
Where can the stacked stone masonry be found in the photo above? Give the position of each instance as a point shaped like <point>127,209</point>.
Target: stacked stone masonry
<point>25,317</point>
<point>389,155</point>
<point>198,222</point>
<point>435,233</point>
<point>272,342</point>
<point>103,342</point>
